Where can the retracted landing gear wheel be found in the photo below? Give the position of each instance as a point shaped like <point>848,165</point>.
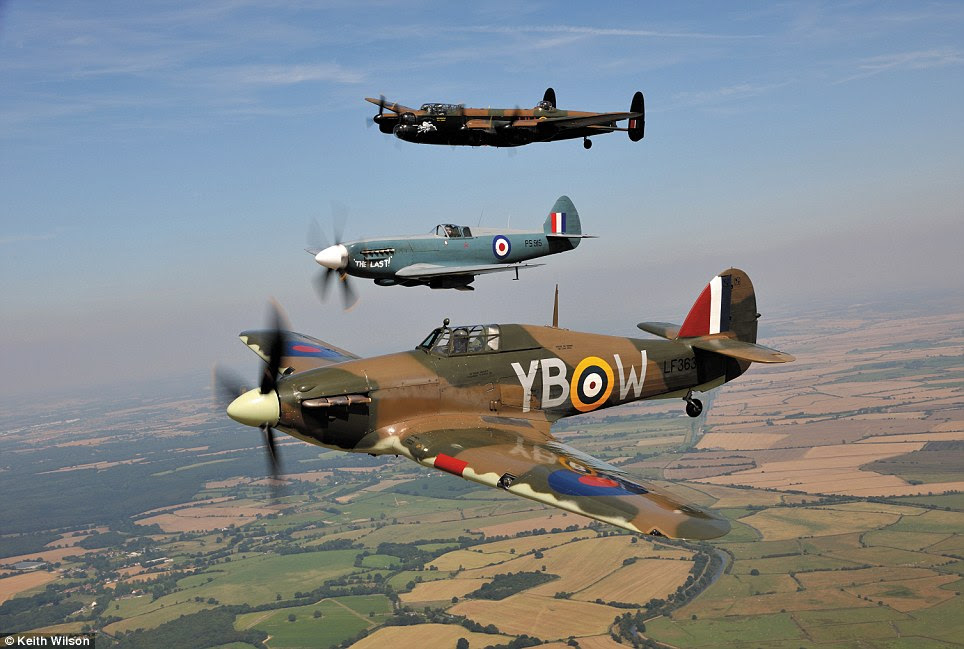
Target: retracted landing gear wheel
<point>586,143</point>
<point>694,407</point>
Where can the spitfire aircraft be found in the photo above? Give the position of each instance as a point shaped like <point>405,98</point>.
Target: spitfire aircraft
<point>454,124</point>
<point>478,401</point>
<point>450,256</point>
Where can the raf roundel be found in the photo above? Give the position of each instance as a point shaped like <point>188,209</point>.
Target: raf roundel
<point>592,384</point>
<point>501,247</point>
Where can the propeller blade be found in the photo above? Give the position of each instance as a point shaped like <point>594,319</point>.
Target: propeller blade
<point>348,296</point>
<point>276,349</point>
<point>227,386</point>
<point>316,238</point>
<point>323,278</point>
<point>273,460</point>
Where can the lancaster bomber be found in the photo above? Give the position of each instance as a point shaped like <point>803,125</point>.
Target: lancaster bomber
<point>478,401</point>
<point>450,256</point>
<point>454,124</point>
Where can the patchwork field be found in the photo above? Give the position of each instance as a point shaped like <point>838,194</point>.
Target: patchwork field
<point>540,616</point>
<point>10,586</point>
<point>427,635</point>
<point>833,471</point>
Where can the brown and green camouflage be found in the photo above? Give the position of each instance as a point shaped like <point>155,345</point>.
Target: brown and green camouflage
<point>478,401</point>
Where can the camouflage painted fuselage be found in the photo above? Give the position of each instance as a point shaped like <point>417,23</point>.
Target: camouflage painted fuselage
<point>496,127</point>
<point>487,413</point>
<point>456,125</point>
<point>538,375</point>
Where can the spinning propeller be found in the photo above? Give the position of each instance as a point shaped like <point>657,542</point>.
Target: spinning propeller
<point>334,258</point>
<point>260,407</point>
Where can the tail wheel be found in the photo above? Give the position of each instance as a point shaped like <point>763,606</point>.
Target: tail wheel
<point>694,407</point>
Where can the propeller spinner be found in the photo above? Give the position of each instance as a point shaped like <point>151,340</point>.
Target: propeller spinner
<point>260,407</point>
<point>334,258</point>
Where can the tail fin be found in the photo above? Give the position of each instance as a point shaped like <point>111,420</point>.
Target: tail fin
<point>722,320</point>
<point>726,305</point>
<point>637,125</point>
<point>550,97</point>
<point>563,220</point>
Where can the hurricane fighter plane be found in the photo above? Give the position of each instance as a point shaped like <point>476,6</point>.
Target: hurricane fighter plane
<point>450,255</point>
<point>479,401</point>
<point>454,124</point>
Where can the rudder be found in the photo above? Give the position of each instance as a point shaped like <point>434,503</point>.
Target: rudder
<point>637,125</point>
<point>726,305</point>
<point>563,219</point>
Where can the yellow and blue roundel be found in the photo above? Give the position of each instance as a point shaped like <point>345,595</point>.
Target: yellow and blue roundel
<point>501,247</point>
<point>592,383</point>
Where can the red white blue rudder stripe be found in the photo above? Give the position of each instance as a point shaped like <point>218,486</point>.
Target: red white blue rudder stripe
<point>558,220</point>
<point>711,311</point>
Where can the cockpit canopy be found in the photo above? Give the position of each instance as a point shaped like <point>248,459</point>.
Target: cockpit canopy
<point>442,109</point>
<point>454,341</point>
<point>453,231</point>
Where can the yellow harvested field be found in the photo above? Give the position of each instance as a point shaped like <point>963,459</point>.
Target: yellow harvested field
<point>778,524</point>
<point>935,436</point>
<point>955,426</point>
<point>192,503</point>
<point>557,519</point>
<point>530,543</point>
<point>90,441</point>
<point>10,586</point>
<point>599,642</point>
<point>468,559</point>
<point>441,590</point>
<point>223,484</point>
<point>94,465</point>
<point>835,469</point>
<point>206,518</point>
<point>638,582</point>
<point>891,415</point>
<point>543,617</point>
<point>51,555</point>
<point>840,454</point>
<point>733,497</point>
<point>580,564</point>
<point>67,540</point>
<point>741,441</point>
<point>426,636</point>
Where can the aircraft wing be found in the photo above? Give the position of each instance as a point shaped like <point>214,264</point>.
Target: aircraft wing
<point>427,271</point>
<point>389,105</point>
<point>602,119</point>
<point>518,456</point>
<point>301,352</point>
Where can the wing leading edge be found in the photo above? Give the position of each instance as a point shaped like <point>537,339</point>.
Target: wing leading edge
<point>301,352</point>
<point>495,454</point>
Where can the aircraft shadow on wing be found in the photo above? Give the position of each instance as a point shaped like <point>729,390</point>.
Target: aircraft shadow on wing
<point>478,401</point>
<point>456,125</point>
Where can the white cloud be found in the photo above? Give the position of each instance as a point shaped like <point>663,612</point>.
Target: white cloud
<point>917,60</point>
<point>297,73</point>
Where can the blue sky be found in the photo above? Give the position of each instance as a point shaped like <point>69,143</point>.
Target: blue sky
<point>160,163</point>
